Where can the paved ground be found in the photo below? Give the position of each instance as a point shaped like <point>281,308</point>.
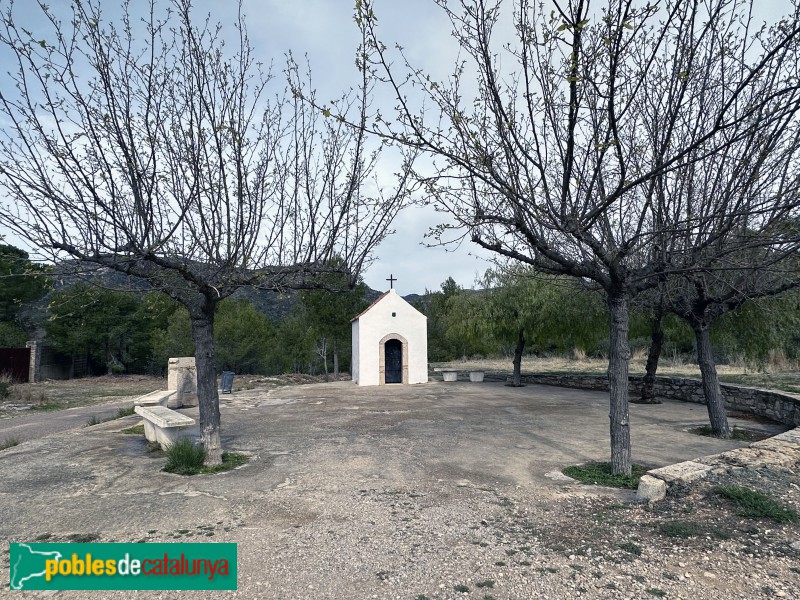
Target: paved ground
<point>345,482</point>
<point>31,425</point>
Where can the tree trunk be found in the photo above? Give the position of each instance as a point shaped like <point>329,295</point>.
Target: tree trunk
<point>649,381</point>
<point>335,361</point>
<point>517,379</point>
<point>708,370</point>
<point>619,356</point>
<point>202,319</point>
<point>325,358</point>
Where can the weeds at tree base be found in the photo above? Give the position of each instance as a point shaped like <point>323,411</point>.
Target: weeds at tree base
<point>9,442</point>
<point>752,504</point>
<point>185,457</point>
<point>599,473</point>
<point>736,433</point>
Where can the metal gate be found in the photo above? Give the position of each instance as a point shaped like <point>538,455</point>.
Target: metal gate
<point>15,362</point>
<point>394,361</point>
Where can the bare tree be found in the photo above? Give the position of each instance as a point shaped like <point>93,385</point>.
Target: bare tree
<point>738,236</point>
<point>553,162</point>
<point>146,146</point>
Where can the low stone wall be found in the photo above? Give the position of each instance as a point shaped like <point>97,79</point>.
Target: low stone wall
<point>778,406</point>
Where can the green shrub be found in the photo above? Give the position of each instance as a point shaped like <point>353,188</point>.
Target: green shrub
<point>680,529</point>
<point>599,473</point>
<point>755,505</point>
<point>184,457</point>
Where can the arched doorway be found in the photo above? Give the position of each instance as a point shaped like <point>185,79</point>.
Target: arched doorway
<point>393,357</point>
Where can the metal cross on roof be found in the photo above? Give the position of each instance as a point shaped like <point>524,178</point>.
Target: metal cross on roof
<point>391,281</point>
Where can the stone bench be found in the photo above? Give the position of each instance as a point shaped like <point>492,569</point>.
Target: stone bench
<point>162,424</point>
<point>161,397</point>
<point>476,376</point>
<point>448,374</point>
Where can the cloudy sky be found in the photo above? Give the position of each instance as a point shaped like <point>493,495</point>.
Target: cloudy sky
<point>324,31</point>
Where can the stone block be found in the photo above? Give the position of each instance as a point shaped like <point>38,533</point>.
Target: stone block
<point>651,489</point>
<point>476,376</point>
<point>182,377</point>
<point>450,375</point>
<point>161,397</point>
<point>685,472</point>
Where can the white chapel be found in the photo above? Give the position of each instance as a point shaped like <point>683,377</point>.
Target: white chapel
<point>390,343</point>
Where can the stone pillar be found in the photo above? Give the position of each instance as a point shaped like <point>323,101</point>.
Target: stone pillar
<point>34,370</point>
<point>182,377</point>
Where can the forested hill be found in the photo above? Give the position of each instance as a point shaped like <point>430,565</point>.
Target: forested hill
<point>274,305</point>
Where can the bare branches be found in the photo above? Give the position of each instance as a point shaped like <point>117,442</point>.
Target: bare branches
<point>555,161</point>
<point>145,143</point>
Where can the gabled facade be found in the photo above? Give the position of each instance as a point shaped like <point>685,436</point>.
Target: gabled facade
<point>390,343</point>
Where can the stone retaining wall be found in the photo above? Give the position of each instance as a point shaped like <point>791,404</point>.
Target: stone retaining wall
<point>778,406</point>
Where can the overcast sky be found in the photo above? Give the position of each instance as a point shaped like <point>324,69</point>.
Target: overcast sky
<point>324,31</point>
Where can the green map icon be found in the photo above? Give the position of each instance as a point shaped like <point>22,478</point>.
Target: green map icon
<point>28,564</point>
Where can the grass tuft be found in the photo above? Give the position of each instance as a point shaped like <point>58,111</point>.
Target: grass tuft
<point>121,413</point>
<point>184,457</point>
<point>680,529</point>
<point>461,588</point>
<point>126,412</point>
<point>9,442</point>
<point>135,430</point>
<point>599,473</point>
<point>752,504</point>
<point>489,583</point>
<point>630,548</point>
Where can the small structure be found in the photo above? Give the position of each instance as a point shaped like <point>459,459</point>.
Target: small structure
<point>390,343</point>
<point>182,378</point>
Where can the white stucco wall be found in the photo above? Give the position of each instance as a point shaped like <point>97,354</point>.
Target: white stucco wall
<point>375,324</point>
<point>354,359</point>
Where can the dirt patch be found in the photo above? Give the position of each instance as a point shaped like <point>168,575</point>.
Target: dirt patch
<point>61,394</point>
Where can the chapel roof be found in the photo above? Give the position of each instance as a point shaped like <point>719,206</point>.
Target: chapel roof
<point>369,308</point>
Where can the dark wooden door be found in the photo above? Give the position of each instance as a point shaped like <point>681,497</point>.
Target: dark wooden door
<point>394,361</point>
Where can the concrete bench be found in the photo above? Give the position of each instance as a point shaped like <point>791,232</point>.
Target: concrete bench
<point>447,374</point>
<point>162,424</point>
<point>161,397</point>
